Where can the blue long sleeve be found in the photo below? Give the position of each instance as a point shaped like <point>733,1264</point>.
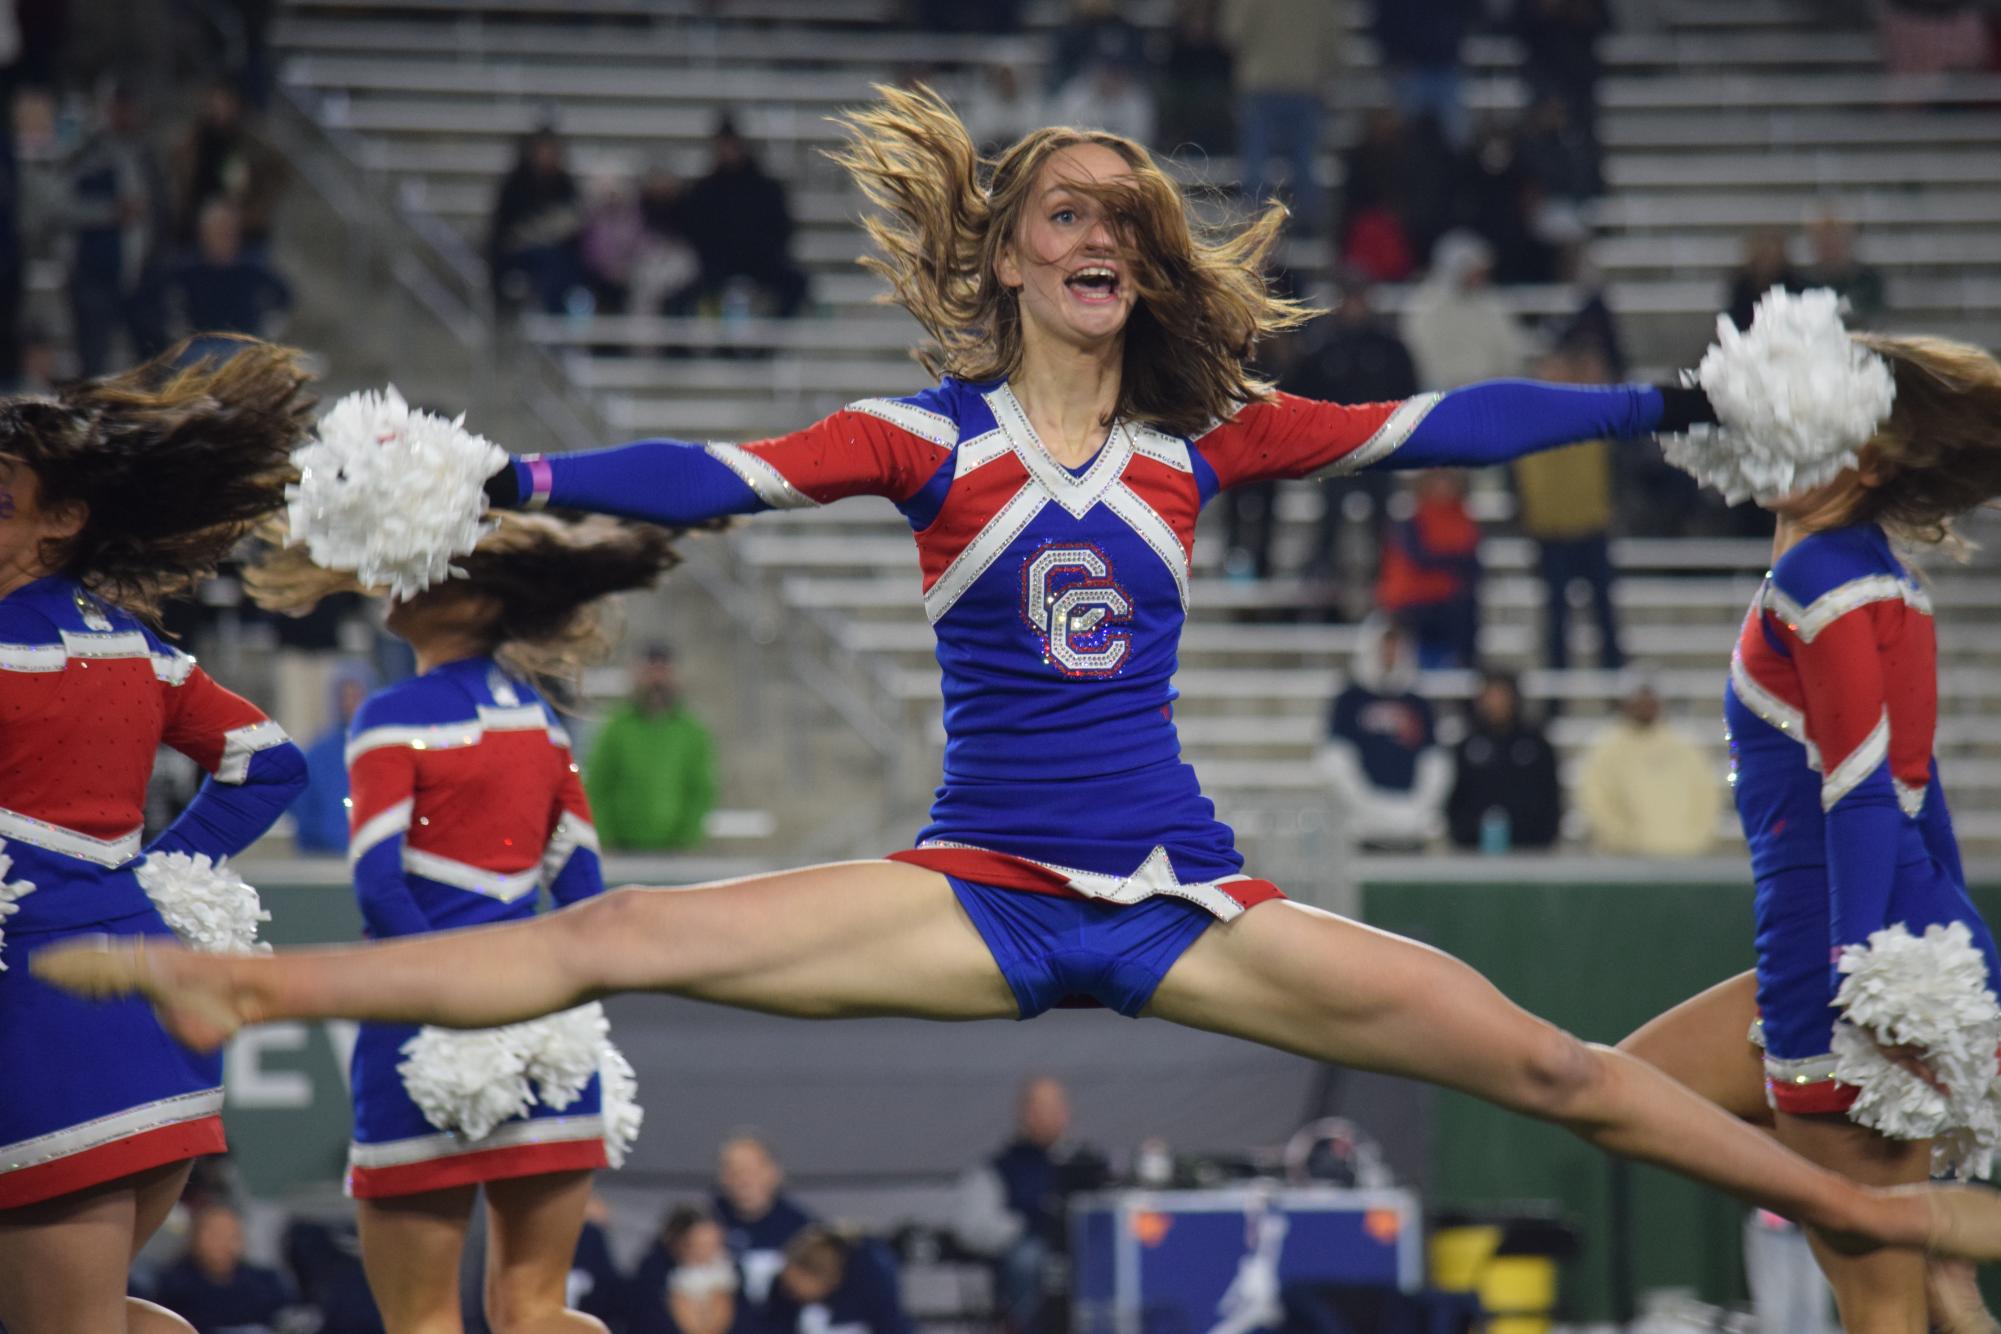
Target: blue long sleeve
<point>657,481</point>
<point>1498,421</point>
<point>388,908</point>
<point>1935,827</point>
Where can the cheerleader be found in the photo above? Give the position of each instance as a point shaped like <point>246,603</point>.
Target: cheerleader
<point>1878,1062</point>
<point>465,803</point>
<point>116,494</point>
<point>1095,395</point>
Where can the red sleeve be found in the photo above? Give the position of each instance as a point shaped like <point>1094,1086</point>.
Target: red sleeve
<point>216,728</point>
<point>858,451</point>
<point>1841,676</point>
<point>381,785</point>
<point>1290,436</point>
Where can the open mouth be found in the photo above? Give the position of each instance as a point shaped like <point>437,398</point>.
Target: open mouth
<point>1095,283</point>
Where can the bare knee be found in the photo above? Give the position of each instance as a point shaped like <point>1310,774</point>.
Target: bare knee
<point>603,934</point>
<point>1558,1075</point>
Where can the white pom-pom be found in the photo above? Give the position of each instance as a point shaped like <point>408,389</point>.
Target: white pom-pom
<point>619,1095</point>
<point>468,1081</point>
<point>11,891</point>
<point>390,493</point>
<point>208,905</point>
<point>563,1051</point>
<point>1796,398</point>
<point>1930,994</point>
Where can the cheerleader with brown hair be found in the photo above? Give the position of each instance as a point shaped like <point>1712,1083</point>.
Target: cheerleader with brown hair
<point>116,494</point>
<point>465,807</point>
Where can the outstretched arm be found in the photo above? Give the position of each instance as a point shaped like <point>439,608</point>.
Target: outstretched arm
<point>1493,422</point>
<point>860,450</point>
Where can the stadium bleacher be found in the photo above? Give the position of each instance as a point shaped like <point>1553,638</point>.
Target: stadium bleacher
<point>1722,117</point>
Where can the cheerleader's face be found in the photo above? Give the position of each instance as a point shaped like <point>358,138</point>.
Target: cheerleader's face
<point>1064,261</point>
<point>26,526</point>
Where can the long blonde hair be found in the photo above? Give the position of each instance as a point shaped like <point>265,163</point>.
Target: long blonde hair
<point>1940,450</point>
<point>948,212</point>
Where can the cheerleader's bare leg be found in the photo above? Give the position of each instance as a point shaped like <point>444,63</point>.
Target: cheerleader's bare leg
<point>1881,1293</point>
<point>63,1262</point>
<point>839,941</point>
<point>410,1249</point>
<point>872,938</point>
<point>531,1237</point>
<point>1305,981</point>
<point>1702,1043</point>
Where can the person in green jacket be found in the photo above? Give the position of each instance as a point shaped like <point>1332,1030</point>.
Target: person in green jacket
<point>651,775</point>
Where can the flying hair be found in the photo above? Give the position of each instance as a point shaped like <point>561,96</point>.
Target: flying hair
<point>946,213</point>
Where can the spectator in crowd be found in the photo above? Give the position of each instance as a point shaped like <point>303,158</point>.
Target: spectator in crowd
<point>1930,36</point>
<point>532,242</point>
<point>224,288</point>
<point>1766,265</point>
<point>832,1281</point>
<point>1283,49</point>
<point>651,773</point>
<point>1420,45</point>
<point>1381,757</point>
<point>222,158</point>
<point>1429,579</point>
<point>758,1219</point>
<point>1560,50</point>
<point>1593,327</point>
<point>1559,153</point>
<point>740,223</point>
<point>597,1287</point>
<point>1001,108</point>
<point>1013,1207</point>
<point>614,231</point>
<point>1504,201</point>
<point>1505,792</point>
<point>117,212</point>
<point>1196,81</point>
<point>212,1288</point>
<point>688,1282</point>
<point>1645,788</point>
<point>1457,329</point>
<point>1095,33</point>
<point>1351,356</point>
<point>1566,509</point>
<point>1108,95</point>
<point>1834,265</point>
<point>326,1261</point>
<point>666,264</point>
<point>320,813</point>
<point>1396,195</point>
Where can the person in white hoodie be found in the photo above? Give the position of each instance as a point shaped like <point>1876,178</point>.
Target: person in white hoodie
<point>1382,760</point>
<point>1457,329</point>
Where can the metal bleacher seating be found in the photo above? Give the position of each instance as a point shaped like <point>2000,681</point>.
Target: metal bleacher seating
<point>1725,115</point>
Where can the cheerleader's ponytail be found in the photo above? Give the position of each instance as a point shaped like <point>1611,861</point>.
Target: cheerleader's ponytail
<point>171,462</point>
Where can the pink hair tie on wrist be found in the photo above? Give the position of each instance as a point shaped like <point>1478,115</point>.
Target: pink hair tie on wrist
<point>541,481</point>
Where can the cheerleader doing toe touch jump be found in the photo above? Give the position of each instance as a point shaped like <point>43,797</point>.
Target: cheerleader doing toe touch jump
<point>1092,341</point>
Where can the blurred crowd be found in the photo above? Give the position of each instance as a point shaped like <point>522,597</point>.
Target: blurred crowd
<point>138,192</point>
<point>743,1256</point>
